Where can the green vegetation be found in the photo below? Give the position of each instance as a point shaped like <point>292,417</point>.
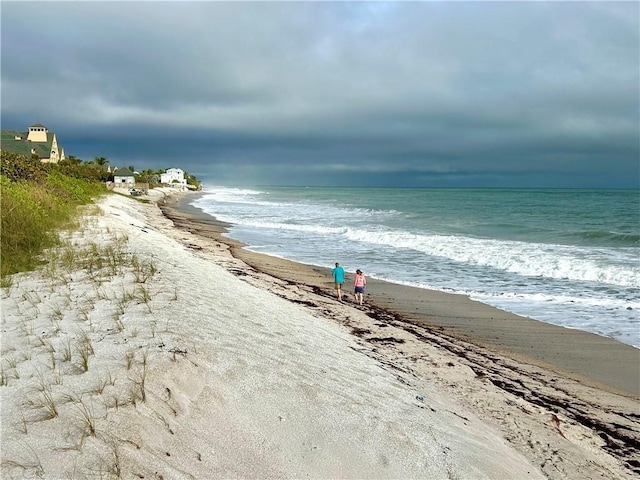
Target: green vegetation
<point>38,200</point>
<point>192,180</point>
<point>152,177</point>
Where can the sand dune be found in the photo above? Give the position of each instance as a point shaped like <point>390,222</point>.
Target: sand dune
<point>144,351</point>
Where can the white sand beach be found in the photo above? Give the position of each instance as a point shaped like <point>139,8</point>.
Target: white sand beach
<point>143,351</point>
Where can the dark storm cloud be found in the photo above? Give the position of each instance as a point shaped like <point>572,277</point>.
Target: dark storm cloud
<point>497,94</point>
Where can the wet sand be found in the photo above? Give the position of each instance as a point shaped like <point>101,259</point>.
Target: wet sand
<point>589,358</point>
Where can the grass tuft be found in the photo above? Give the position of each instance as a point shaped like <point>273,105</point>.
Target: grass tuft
<point>129,357</point>
<point>87,417</point>
<point>29,466</point>
<point>66,351</point>
<point>144,295</point>
<point>6,282</point>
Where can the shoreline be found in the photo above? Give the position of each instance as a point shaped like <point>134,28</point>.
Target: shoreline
<point>591,359</point>
<point>148,348</point>
<point>478,355</point>
<point>166,357</point>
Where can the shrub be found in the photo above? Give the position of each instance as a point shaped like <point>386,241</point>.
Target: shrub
<point>18,167</point>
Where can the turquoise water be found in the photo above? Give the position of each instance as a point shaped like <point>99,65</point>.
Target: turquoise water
<point>568,257</point>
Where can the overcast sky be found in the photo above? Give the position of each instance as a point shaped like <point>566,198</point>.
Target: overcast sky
<point>501,94</point>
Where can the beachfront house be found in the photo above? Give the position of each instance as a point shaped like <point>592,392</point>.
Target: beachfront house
<point>38,142</point>
<point>123,177</point>
<point>173,176</point>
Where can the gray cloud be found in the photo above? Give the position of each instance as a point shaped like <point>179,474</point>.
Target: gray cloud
<point>420,93</point>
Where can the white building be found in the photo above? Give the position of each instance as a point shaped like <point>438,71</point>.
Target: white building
<point>123,177</point>
<point>172,176</point>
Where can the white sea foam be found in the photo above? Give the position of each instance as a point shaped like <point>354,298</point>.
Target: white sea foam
<point>532,260</point>
<point>519,267</point>
<point>240,197</point>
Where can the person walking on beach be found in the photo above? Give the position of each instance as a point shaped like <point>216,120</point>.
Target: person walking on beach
<point>338,279</point>
<point>359,283</point>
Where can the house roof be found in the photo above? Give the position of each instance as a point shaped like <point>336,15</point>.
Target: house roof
<point>9,143</point>
<point>123,172</point>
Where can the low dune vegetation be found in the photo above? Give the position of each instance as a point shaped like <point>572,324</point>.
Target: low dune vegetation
<point>38,201</point>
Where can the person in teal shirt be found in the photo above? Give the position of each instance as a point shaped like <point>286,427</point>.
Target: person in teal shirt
<point>338,279</point>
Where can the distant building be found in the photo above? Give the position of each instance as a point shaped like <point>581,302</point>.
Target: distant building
<point>173,175</point>
<point>38,141</point>
<point>123,177</point>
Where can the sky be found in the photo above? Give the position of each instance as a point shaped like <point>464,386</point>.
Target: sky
<point>421,94</point>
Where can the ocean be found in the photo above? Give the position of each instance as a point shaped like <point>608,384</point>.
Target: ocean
<point>566,257</point>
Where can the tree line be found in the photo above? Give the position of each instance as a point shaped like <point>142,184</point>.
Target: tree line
<point>150,176</point>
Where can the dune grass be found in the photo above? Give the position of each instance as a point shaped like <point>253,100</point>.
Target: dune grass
<point>34,207</point>
<point>87,280</point>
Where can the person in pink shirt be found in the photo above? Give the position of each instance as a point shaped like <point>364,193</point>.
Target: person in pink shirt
<point>359,283</point>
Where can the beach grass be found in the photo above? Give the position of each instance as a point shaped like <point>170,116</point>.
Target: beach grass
<point>4,379</point>
<point>29,464</point>
<point>66,351</point>
<point>37,202</point>
<point>59,325</point>
<point>88,417</point>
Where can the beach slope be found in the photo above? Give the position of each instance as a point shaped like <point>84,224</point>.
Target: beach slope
<point>141,350</point>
